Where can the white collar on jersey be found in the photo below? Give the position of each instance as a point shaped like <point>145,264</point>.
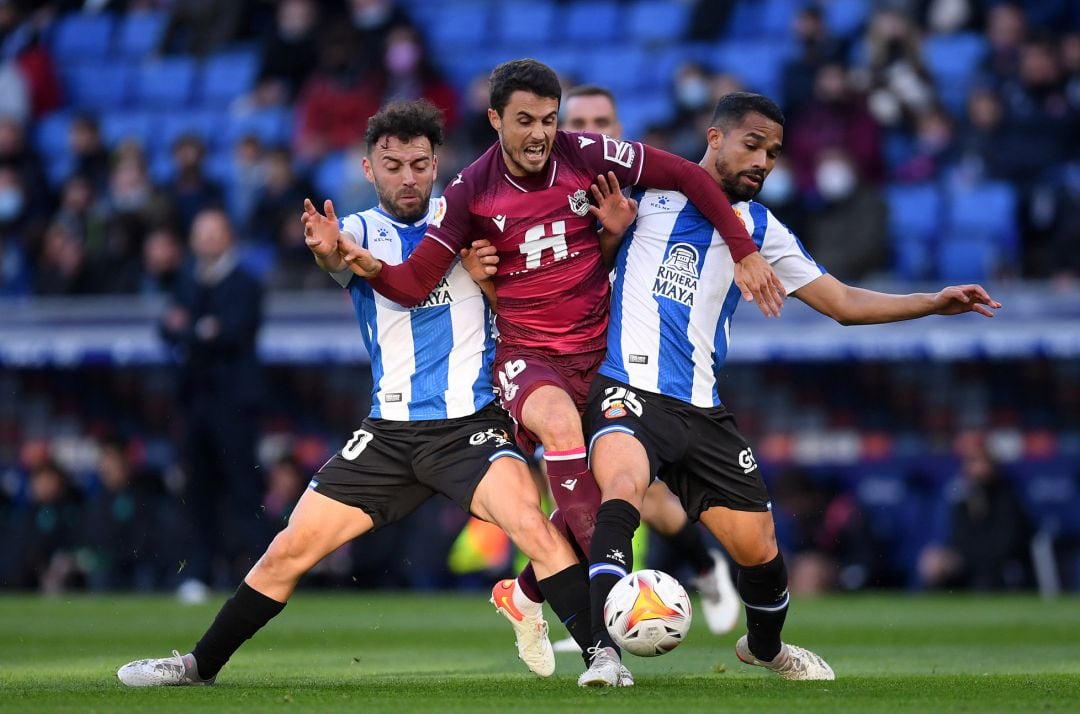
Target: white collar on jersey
<point>422,222</point>
<point>551,178</point>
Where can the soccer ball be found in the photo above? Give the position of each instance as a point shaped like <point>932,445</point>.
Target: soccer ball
<point>647,613</point>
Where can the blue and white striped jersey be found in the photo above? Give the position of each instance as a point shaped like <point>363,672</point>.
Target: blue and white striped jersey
<point>674,294</point>
<point>433,361</point>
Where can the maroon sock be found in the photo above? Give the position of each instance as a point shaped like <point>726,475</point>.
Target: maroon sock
<point>576,492</point>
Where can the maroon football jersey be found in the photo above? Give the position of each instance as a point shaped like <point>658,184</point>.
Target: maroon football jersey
<point>551,284</point>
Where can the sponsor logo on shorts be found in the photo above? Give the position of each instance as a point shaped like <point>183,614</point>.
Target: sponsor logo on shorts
<point>747,461</point>
<point>639,359</point>
<point>500,437</point>
<point>579,202</point>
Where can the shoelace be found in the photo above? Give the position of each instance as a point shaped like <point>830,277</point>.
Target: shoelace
<point>595,651</point>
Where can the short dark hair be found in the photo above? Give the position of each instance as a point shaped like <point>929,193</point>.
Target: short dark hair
<point>591,90</point>
<point>406,120</point>
<point>522,74</point>
<point>732,107</point>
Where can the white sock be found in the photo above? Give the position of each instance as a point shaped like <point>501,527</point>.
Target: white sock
<point>524,603</point>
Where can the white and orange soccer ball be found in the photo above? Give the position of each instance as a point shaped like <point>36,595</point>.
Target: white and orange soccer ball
<point>647,613</point>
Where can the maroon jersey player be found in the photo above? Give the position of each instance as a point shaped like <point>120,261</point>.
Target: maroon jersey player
<point>529,197</point>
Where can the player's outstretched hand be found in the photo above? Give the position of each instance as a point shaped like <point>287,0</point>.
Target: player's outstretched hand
<point>360,260</point>
<point>481,260</point>
<point>957,299</point>
<point>758,282</point>
<point>613,210</point>
<point>321,232</point>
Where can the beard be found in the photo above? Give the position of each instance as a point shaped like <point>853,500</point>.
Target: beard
<point>733,186</point>
<point>389,201</point>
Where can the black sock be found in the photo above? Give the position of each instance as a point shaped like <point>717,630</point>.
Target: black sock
<point>763,589</point>
<point>242,615</point>
<point>567,592</point>
<point>689,542</point>
<point>611,556</point>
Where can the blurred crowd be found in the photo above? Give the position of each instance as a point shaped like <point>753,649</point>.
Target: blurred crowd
<point>124,121</point>
<point>253,107</point>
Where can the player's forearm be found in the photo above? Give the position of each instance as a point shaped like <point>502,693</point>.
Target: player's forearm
<point>669,172</point>
<point>331,263</point>
<point>488,288</point>
<point>868,307</point>
<point>410,282</point>
<point>609,247</point>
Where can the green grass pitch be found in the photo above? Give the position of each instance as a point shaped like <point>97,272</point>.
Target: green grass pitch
<point>403,653</point>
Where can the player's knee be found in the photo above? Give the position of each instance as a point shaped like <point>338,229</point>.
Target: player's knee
<point>287,552</point>
<point>529,528</point>
<point>560,429</point>
<point>624,486</point>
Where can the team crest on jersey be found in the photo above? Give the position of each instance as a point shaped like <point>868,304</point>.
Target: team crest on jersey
<point>677,278</point>
<point>619,152</point>
<point>500,437</point>
<point>440,212</point>
<point>579,202</point>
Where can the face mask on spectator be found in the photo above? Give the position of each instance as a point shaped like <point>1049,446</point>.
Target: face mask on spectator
<point>11,203</point>
<point>692,92</point>
<point>402,57</point>
<point>779,187</point>
<point>835,179</point>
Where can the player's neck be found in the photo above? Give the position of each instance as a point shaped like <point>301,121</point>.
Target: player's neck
<point>709,164</point>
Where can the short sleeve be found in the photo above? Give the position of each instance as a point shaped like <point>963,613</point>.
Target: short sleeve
<point>788,257</point>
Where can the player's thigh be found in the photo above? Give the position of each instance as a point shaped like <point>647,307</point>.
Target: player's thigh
<point>318,526</point>
<point>661,510</point>
<point>506,490</point>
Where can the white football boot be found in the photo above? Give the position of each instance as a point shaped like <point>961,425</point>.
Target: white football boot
<point>567,644</point>
<point>175,671</point>
<point>793,662</point>
<point>719,601</point>
<point>530,630</point>
<point>605,670</point>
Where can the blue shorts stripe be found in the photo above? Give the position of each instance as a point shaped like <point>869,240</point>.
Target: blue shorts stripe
<point>607,430</point>
<point>770,608</point>
<point>507,452</point>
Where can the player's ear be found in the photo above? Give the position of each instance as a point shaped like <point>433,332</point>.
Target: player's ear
<point>715,137</point>
<point>434,166</point>
<point>367,171</point>
<point>494,119</point>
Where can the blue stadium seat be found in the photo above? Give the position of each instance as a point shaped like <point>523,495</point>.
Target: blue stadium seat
<point>845,17</point>
<point>460,26</point>
<point>1051,491</point>
<point>758,63</point>
<point>898,512</point>
<point>777,17</point>
<point>619,67</point>
<point>51,134</point>
<point>988,207</point>
<point>529,21</point>
<point>165,83</point>
<point>118,126</point>
<point>226,76</point>
<point>139,34</point>
<point>591,21</point>
<point>206,125</point>
<point>82,36</point>
<point>272,126</point>
<point>747,20</point>
<point>638,112</point>
<point>967,258</point>
<point>652,21</point>
<point>953,61</point>
<point>916,219</point>
<point>98,86</point>
<point>329,176</point>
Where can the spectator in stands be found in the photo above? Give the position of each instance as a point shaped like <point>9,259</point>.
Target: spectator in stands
<point>124,523</point>
<point>899,86</point>
<point>191,190</point>
<point>407,72</point>
<point>334,104</point>
<point>1006,30</point>
<point>284,484</point>
<point>288,54</point>
<point>40,546</point>
<point>836,118</point>
<point>201,27</point>
<point>372,21</point>
<point>934,151</point>
<point>62,267</point>
<point>849,232</point>
<point>246,176</point>
<point>16,154</point>
<point>211,324</point>
<point>987,536</point>
<point>276,201</point>
<point>91,158</point>
<point>816,47</point>
<point>163,257</point>
<point>781,194</point>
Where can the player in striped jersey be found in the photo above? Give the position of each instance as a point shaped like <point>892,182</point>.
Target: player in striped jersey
<point>655,410</point>
<point>434,426</point>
